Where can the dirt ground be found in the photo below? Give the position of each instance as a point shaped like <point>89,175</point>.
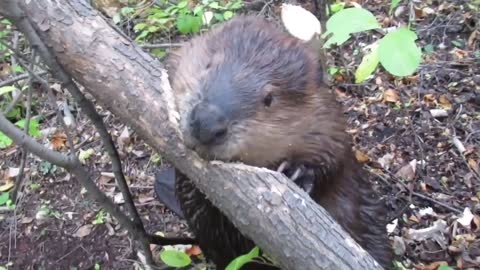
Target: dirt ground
<point>416,160</point>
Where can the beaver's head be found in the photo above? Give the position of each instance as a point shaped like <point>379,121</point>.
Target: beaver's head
<point>247,91</point>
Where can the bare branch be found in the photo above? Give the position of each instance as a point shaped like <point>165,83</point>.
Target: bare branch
<point>19,78</point>
<point>26,128</point>
<point>23,140</point>
<point>160,45</point>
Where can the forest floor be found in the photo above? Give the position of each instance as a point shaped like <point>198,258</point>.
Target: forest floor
<point>425,166</point>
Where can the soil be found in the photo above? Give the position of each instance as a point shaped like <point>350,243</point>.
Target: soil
<point>425,167</point>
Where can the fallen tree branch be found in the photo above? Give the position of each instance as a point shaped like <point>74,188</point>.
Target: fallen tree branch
<point>264,205</point>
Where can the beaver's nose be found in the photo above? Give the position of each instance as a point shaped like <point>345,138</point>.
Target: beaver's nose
<point>208,124</point>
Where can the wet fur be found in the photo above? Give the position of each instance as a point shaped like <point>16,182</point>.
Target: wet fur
<point>234,66</point>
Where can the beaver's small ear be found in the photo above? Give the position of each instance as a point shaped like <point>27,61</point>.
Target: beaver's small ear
<point>268,94</point>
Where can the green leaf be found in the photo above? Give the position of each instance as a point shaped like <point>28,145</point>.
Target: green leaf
<point>228,15</point>
<point>159,14</point>
<point>159,52</point>
<point>5,141</point>
<point>97,266</point>
<point>139,27</point>
<point>4,197</point>
<point>127,10</point>
<point>17,69</point>
<point>445,267</point>
<point>346,22</point>
<point>219,17</point>
<point>15,113</point>
<point>153,29</point>
<point>84,155</point>
<point>236,5</point>
<point>33,127</point>
<point>6,21</point>
<point>171,10</point>
<point>197,10</point>
<point>333,70</point>
<point>182,4</point>
<point>6,89</point>
<point>398,52</point>
<point>188,24</point>
<point>367,66</point>
<point>337,7</point>
<point>142,35</point>
<point>457,43</point>
<point>116,18</point>
<point>34,186</point>
<point>238,262</point>
<point>214,5</point>
<point>393,5</point>
<point>175,258</point>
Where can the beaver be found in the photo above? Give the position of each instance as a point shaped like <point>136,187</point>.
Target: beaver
<point>249,92</point>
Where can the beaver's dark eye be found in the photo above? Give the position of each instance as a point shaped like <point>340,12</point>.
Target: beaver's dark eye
<point>268,100</point>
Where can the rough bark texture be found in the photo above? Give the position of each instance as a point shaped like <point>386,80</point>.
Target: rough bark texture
<point>264,205</point>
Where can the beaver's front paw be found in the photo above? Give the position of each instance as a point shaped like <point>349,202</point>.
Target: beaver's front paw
<point>300,174</point>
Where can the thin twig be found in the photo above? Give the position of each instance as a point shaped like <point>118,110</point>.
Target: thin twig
<point>160,45</point>
<point>12,104</point>
<point>19,78</point>
<point>23,140</point>
<point>28,114</point>
<point>14,51</point>
<point>20,177</point>
<point>414,193</point>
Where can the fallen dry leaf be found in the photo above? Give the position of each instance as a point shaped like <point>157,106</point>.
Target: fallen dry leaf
<point>471,39</point>
<point>58,140</point>
<point>428,11</point>
<point>8,185</point>
<point>429,99</point>
<point>26,220</point>
<point>438,113</point>
<point>144,198</point>
<point>390,96</point>
<point>361,157</point>
<point>392,226</point>
<point>407,172</point>
<point>476,221</point>
<point>466,218</point>
<point>426,233</point>
<point>13,172</point>
<point>474,165</point>
<point>118,198</point>
<point>124,138</point>
<point>386,161</point>
<point>83,231</point>
<point>399,246</point>
<point>459,54</point>
<point>105,178</point>
<point>193,251</point>
<point>5,70</point>
<point>444,102</point>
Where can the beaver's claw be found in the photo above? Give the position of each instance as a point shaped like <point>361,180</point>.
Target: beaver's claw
<point>301,175</point>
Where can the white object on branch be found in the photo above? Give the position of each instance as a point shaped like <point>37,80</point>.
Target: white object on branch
<point>300,22</point>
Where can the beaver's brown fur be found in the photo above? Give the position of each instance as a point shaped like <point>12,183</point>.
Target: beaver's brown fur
<point>247,91</point>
